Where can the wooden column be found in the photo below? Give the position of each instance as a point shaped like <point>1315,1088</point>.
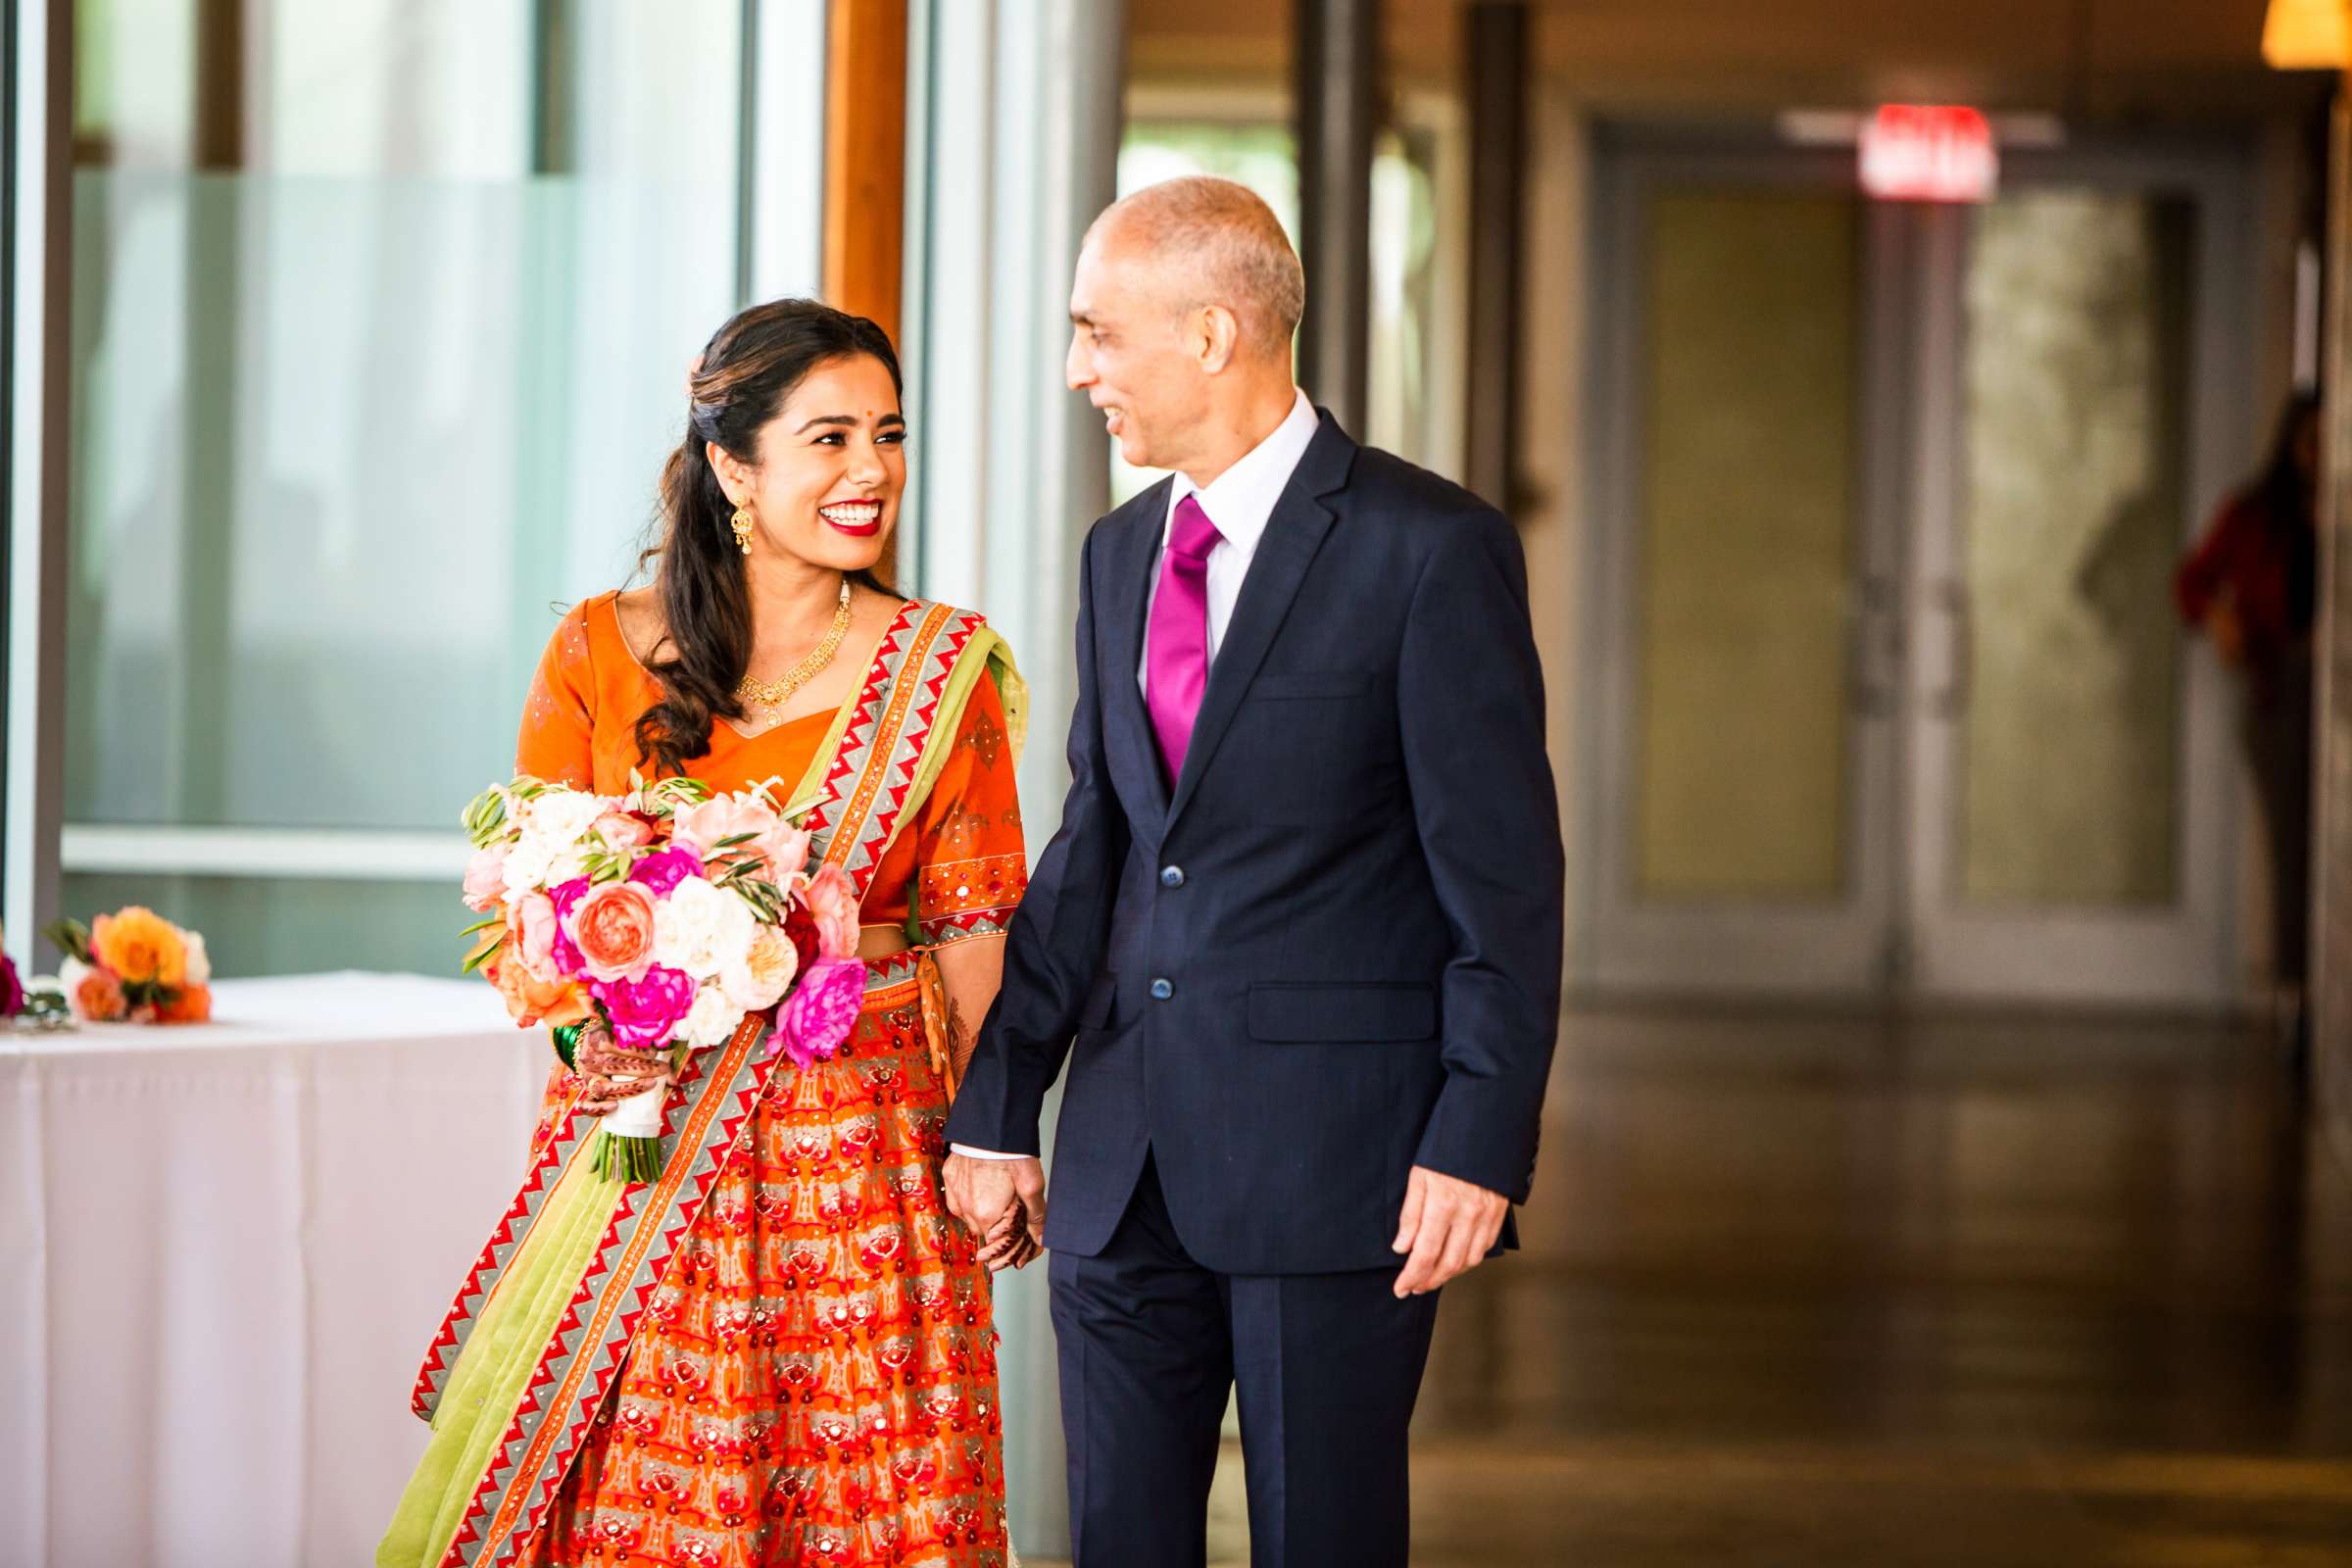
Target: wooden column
<point>866,157</point>
<point>1338,54</point>
<point>1497,35</point>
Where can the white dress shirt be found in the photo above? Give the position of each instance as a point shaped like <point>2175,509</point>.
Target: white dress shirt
<point>1239,502</point>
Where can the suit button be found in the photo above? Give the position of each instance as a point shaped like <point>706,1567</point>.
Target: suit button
<point>1172,876</point>
<point>1162,989</point>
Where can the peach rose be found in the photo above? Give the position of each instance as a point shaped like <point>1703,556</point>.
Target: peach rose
<point>613,929</point>
<point>140,946</point>
<point>194,1005</point>
<point>95,994</point>
<point>757,981</point>
<point>531,1000</point>
<point>622,831</point>
<point>833,903</point>
<point>532,933</point>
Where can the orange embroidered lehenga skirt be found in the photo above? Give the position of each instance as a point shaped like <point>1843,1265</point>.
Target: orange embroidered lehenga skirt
<point>815,1381</point>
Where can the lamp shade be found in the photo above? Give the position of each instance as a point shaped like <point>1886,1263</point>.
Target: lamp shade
<point>2307,35</point>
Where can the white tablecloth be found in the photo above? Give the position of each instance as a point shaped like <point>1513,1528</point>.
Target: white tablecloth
<point>224,1249</point>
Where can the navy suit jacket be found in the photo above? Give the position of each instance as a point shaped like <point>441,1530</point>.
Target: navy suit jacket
<point>1332,953</point>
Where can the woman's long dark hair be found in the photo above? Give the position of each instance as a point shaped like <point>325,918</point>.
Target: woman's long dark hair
<point>747,371</point>
<point>2284,490</point>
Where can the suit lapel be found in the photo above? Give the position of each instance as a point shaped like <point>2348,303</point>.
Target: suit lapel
<point>1127,727</point>
<point>1294,533</point>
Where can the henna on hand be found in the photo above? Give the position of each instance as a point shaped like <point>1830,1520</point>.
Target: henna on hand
<point>609,1074</point>
<point>960,1040</point>
<point>1010,1244</point>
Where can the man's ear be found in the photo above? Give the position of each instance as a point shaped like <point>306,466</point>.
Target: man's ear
<point>1217,337</point>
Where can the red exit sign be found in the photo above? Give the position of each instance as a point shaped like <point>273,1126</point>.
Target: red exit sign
<point>1929,153</point>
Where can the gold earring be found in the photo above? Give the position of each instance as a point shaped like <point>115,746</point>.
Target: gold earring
<point>743,528</point>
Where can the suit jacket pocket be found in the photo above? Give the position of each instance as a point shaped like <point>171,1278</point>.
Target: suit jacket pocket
<point>1342,1012</point>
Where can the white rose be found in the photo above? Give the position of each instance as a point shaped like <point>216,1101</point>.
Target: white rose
<point>562,816</point>
<point>711,1018</point>
<point>69,971</point>
<point>567,865</point>
<point>200,962</point>
<point>701,929</point>
<point>527,865</point>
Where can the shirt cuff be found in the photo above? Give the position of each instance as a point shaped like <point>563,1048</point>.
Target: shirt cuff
<point>970,1152</point>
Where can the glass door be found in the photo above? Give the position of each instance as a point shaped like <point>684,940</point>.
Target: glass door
<point>1743,586</point>
<point>2068,765</point>
<point>1887,697</point>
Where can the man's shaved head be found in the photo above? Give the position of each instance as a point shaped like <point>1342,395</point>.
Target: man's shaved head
<point>1210,241</point>
<point>1182,309</point>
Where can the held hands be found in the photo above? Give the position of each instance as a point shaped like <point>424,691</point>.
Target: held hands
<point>608,1074</point>
<point>1002,1202</point>
<point>1448,1229</point>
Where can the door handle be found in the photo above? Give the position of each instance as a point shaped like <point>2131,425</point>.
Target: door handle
<point>1951,697</point>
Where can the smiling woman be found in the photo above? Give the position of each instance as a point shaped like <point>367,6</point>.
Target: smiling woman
<point>799,1271</point>
<point>793,456</point>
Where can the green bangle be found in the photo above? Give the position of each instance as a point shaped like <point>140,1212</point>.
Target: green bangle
<point>567,1040</point>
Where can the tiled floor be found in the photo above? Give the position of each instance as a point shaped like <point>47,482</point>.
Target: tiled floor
<point>1822,1291</point>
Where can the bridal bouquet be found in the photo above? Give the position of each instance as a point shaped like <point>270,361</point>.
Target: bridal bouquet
<point>668,915</point>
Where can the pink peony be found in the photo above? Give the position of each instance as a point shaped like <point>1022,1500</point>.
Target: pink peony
<point>622,831</point>
<point>644,1011</point>
<point>567,894</point>
<point>663,870</point>
<point>613,929</point>
<point>532,931</point>
<point>702,827</point>
<point>781,849</point>
<point>833,905</point>
<point>821,1012</point>
<point>565,897</point>
<point>486,878</point>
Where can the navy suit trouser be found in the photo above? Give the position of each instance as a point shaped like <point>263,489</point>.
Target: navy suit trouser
<point>1328,1367</point>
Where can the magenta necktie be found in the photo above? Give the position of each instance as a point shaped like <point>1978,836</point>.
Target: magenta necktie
<point>1176,665</point>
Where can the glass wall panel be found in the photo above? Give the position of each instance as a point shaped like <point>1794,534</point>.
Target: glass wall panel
<point>1747,535</point>
<point>381,316</point>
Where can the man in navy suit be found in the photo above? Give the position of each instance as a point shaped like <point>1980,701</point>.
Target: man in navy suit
<point>1299,936</point>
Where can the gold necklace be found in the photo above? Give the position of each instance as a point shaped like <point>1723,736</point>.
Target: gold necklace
<point>774,693</point>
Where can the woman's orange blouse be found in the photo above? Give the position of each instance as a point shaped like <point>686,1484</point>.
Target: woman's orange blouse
<point>957,869</point>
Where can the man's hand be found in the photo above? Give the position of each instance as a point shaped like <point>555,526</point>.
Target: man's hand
<point>1449,1227</point>
<point>985,1193</point>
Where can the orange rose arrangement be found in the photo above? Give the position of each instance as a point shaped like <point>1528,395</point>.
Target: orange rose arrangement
<point>133,965</point>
